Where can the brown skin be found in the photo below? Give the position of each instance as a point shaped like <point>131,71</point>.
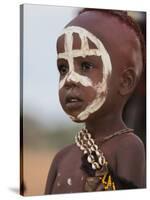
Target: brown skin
<point>124,153</point>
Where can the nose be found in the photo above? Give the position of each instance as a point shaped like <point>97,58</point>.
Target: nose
<point>71,80</point>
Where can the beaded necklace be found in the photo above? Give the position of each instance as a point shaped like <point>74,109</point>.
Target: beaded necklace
<point>96,158</point>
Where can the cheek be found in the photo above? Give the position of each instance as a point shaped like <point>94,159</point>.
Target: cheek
<point>89,94</point>
<point>96,77</point>
<point>61,97</point>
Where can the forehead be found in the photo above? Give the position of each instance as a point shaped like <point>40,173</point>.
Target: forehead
<point>115,35</point>
<point>77,40</point>
<point>120,40</point>
<point>82,44</point>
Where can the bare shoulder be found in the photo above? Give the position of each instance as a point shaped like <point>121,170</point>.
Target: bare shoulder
<point>63,152</point>
<point>131,159</point>
<point>130,143</point>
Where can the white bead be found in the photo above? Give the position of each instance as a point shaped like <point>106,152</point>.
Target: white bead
<point>92,148</point>
<point>78,144</point>
<point>92,141</point>
<point>82,148</point>
<point>97,153</point>
<point>84,137</point>
<point>85,151</point>
<point>89,143</point>
<point>89,135</point>
<point>101,160</point>
<point>90,158</point>
<point>93,166</point>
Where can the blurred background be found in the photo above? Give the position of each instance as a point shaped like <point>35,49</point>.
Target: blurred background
<point>44,127</point>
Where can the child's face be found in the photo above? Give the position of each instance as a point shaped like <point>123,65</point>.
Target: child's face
<point>88,84</point>
<point>84,65</point>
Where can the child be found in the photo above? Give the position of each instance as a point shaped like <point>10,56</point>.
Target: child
<point>100,60</point>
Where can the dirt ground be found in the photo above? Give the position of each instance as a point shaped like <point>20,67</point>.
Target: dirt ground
<point>36,166</point>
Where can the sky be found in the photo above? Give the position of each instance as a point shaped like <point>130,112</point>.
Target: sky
<point>42,25</point>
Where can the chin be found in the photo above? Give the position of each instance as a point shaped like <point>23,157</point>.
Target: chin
<point>76,119</point>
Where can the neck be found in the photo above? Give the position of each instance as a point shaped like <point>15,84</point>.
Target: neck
<point>105,125</point>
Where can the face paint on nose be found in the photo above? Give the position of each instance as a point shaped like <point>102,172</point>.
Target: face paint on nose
<point>77,78</point>
<point>70,53</point>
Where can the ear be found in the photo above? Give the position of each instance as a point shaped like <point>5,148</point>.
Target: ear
<point>128,81</point>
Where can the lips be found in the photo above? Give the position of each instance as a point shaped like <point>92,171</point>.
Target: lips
<point>73,102</point>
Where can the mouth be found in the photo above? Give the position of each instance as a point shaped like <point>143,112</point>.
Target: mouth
<point>73,103</point>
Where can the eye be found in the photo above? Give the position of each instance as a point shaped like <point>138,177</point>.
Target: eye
<point>63,69</point>
<point>85,66</point>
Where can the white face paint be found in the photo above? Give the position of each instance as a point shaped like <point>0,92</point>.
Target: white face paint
<point>58,174</point>
<point>70,53</point>
<point>69,181</point>
<point>58,184</point>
